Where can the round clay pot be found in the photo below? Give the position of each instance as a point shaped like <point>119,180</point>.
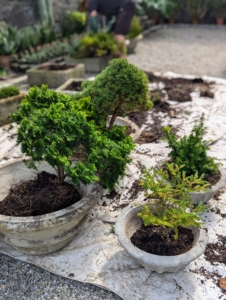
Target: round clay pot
<point>45,233</point>
<point>196,197</point>
<point>220,21</point>
<point>127,223</point>
<point>5,61</point>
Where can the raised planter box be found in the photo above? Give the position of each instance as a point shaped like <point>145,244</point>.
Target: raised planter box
<point>95,65</point>
<point>127,223</point>
<point>54,74</point>
<point>8,106</point>
<point>71,86</point>
<point>45,233</point>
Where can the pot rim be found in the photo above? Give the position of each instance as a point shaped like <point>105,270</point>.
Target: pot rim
<point>158,260</point>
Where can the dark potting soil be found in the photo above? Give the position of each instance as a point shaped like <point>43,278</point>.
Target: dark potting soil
<point>213,178</point>
<point>74,86</point>
<point>150,239</point>
<point>56,67</point>
<point>40,196</point>
<point>216,252</point>
<point>179,89</point>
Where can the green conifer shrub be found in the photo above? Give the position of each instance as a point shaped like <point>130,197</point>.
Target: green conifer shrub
<point>9,91</point>
<point>191,151</point>
<point>119,89</point>
<point>51,129</point>
<point>173,208</point>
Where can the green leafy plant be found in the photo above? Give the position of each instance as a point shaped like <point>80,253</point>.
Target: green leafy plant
<point>135,28</point>
<point>165,7</point>
<point>196,9</point>
<point>119,89</point>
<point>51,129</point>
<point>173,208</point>
<point>8,40</point>
<point>191,151</point>
<point>218,7</point>
<point>96,45</point>
<point>9,91</point>
<point>73,22</point>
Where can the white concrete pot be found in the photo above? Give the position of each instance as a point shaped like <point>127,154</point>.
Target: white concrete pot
<point>128,222</point>
<point>64,87</point>
<point>132,44</point>
<point>196,197</point>
<point>126,122</point>
<point>45,233</point>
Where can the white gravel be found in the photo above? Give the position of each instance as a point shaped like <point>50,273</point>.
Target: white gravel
<point>193,50</point>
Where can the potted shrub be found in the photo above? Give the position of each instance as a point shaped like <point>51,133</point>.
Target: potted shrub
<point>190,152</point>
<point>134,35</point>
<point>166,234</point>
<point>94,50</point>
<point>54,74</point>
<point>218,7</point>
<point>197,9</point>
<point>118,90</point>
<point>8,44</point>
<point>43,215</point>
<point>10,98</point>
<point>73,22</point>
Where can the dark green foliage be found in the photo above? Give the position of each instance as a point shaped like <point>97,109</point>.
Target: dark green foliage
<point>96,45</point>
<point>135,28</point>
<point>191,151</point>
<point>9,91</point>
<point>73,22</point>
<point>119,89</point>
<point>173,207</point>
<point>51,128</point>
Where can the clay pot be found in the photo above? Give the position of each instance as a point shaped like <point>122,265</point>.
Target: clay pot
<point>5,61</point>
<point>220,21</point>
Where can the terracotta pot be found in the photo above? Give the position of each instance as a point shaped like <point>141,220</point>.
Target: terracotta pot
<point>195,22</point>
<point>5,61</point>
<point>220,21</point>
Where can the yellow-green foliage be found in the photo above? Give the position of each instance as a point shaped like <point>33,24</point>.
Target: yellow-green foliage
<point>96,45</point>
<point>173,207</point>
<point>135,28</point>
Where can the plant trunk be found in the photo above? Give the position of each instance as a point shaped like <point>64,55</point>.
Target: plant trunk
<point>114,116</point>
<point>60,174</point>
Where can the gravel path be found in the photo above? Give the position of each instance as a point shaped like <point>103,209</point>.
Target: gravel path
<point>193,50</point>
<point>187,50</point>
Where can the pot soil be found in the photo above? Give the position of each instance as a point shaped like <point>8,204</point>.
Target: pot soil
<point>55,67</point>
<point>160,241</point>
<point>40,196</point>
<point>74,86</point>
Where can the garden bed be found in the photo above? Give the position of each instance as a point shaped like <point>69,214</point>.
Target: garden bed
<point>95,250</point>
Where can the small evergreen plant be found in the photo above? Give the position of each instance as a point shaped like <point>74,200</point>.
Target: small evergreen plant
<point>173,208</point>
<point>52,129</point>
<point>9,91</point>
<point>119,89</point>
<point>191,151</point>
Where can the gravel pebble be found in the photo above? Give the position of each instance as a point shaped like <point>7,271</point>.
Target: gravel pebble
<point>20,280</point>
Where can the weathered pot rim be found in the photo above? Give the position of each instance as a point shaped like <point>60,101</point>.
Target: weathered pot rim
<point>157,260</point>
<point>9,99</point>
<point>96,188</point>
<point>37,68</point>
<point>220,184</point>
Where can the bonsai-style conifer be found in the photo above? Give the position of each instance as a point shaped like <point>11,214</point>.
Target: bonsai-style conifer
<point>119,89</point>
<point>52,129</point>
